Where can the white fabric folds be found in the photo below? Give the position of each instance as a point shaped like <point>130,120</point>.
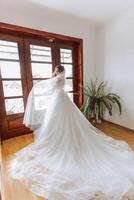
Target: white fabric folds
<point>70,159</point>
<point>39,99</point>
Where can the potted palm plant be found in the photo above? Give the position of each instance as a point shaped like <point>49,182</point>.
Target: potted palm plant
<point>97,99</point>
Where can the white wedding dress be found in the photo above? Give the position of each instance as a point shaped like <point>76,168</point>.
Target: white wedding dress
<point>70,159</point>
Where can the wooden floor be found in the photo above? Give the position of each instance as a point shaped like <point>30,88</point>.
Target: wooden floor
<point>14,190</point>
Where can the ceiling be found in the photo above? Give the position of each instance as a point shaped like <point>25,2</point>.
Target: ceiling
<point>97,11</point>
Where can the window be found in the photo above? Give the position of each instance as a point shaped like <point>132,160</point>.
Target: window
<point>41,66</point>
<point>66,59</point>
<point>27,58</point>
<point>41,61</point>
<point>11,77</point>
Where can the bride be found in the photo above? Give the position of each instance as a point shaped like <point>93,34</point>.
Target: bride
<point>70,159</point>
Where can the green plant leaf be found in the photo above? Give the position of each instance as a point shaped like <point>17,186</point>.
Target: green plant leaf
<point>113,94</point>
<point>101,87</point>
<point>107,105</point>
<point>119,104</point>
<point>110,99</point>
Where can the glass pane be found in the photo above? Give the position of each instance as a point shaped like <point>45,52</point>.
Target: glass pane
<point>68,70</point>
<point>36,81</point>
<point>14,106</point>
<point>10,69</point>
<point>8,43</point>
<point>71,96</point>
<point>66,55</point>
<point>8,50</point>
<point>12,88</point>
<point>40,53</point>
<point>41,70</point>
<point>69,85</point>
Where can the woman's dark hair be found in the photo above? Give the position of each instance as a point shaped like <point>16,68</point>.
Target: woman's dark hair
<point>60,68</point>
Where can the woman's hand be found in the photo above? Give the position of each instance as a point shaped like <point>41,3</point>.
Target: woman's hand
<point>54,74</point>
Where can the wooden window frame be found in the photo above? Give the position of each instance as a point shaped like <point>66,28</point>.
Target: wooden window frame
<point>63,41</point>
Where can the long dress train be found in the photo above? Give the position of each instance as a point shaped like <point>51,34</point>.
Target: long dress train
<point>70,159</point>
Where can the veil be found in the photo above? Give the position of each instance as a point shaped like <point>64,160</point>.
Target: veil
<point>38,101</point>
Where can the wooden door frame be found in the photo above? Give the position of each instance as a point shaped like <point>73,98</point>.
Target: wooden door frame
<point>8,119</point>
<point>25,32</point>
<point>36,34</point>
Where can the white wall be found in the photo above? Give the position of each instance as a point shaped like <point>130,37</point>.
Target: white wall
<point>115,64</point>
<point>35,16</point>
